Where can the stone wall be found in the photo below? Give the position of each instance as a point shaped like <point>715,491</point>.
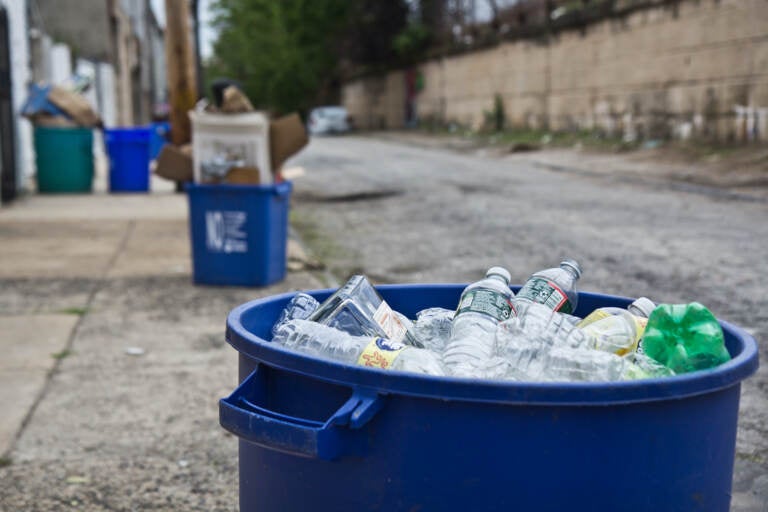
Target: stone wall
<point>697,69</point>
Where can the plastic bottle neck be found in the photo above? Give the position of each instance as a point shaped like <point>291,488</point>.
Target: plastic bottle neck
<point>498,277</point>
<point>571,270</point>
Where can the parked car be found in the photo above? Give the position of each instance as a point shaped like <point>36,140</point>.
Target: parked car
<point>327,120</point>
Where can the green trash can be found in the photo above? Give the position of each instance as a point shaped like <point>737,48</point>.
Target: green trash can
<point>64,158</point>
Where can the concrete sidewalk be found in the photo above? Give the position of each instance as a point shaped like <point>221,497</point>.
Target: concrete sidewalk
<point>86,283</point>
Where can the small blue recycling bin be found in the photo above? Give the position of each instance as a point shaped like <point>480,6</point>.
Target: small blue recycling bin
<point>239,233</point>
<point>158,138</point>
<point>128,150</point>
<point>322,435</point>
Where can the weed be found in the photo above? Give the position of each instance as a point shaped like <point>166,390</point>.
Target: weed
<point>74,311</point>
<point>62,354</point>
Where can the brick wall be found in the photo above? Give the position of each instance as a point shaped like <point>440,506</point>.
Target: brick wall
<point>661,72</point>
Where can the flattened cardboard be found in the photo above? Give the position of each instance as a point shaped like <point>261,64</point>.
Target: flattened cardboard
<point>75,106</point>
<point>52,121</point>
<point>175,163</point>
<point>243,176</point>
<point>287,136</point>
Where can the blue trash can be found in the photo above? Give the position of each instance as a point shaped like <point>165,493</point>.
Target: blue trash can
<point>316,434</point>
<point>128,150</point>
<point>158,138</point>
<point>239,233</point>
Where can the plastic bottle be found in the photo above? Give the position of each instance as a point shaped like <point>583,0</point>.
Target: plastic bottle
<point>358,309</point>
<point>301,307</point>
<point>620,329</point>
<point>320,340</point>
<point>553,287</point>
<point>569,364</point>
<point>684,338</point>
<point>433,328</point>
<point>643,367</point>
<point>537,325</point>
<point>482,306</point>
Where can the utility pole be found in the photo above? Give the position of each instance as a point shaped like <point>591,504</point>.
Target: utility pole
<point>180,61</point>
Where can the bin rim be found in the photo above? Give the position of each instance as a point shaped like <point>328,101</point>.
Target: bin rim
<point>283,186</point>
<point>260,350</point>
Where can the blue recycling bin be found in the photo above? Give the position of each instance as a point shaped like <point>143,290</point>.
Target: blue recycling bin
<point>239,233</point>
<point>318,434</point>
<point>129,154</point>
<point>158,138</point>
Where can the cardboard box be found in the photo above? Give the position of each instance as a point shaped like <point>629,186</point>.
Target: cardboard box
<point>175,163</point>
<point>243,176</point>
<point>287,136</point>
<point>263,145</point>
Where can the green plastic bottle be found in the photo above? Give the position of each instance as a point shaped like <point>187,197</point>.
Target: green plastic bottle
<point>684,338</point>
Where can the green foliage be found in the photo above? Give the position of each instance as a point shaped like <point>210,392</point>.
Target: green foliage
<point>61,355</point>
<point>372,29</point>
<point>411,44</point>
<point>74,311</point>
<point>496,118</point>
<point>283,52</point>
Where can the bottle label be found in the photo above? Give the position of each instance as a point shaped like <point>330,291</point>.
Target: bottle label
<point>488,302</point>
<point>387,319</point>
<point>601,314</point>
<point>380,353</point>
<point>546,292</point>
<point>593,317</point>
<point>640,324</point>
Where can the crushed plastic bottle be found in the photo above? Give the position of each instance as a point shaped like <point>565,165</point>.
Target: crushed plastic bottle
<point>643,367</point>
<point>553,287</point>
<point>685,338</point>
<point>482,306</point>
<point>433,328</point>
<point>536,324</point>
<point>301,307</point>
<point>375,352</point>
<point>357,309</point>
<point>582,364</point>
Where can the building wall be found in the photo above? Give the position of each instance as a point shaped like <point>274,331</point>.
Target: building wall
<point>81,24</point>
<point>660,72</point>
<point>21,75</point>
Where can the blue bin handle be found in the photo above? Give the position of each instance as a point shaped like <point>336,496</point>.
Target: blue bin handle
<point>326,440</point>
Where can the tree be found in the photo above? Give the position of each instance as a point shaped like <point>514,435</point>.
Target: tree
<point>373,27</point>
<point>283,52</point>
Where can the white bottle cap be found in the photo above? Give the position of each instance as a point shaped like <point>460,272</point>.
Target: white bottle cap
<point>499,271</point>
<point>574,265</point>
<point>643,305</point>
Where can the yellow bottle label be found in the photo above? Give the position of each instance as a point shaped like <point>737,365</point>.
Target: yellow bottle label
<point>593,317</point>
<point>589,325</point>
<point>380,353</point>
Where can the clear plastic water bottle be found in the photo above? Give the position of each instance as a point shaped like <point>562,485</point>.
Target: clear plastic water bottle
<point>537,325</point>
<point>301,307</point>
<point>552,287</point>
<point>376,352</point>
<point>482,306</point>
<point>433,328</point>
<point>644,367</point>
<point>582,364</point>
